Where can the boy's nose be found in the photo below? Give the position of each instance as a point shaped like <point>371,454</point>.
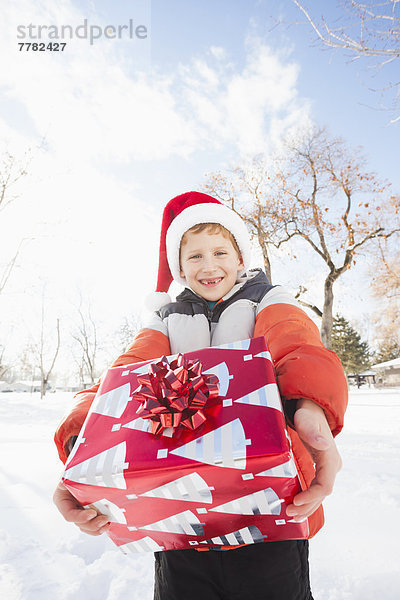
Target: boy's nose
<point>209,265</point>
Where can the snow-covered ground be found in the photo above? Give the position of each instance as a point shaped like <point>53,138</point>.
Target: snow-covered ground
<point>355,556</point>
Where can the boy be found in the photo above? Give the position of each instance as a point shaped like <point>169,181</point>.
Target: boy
<point>205,247</point>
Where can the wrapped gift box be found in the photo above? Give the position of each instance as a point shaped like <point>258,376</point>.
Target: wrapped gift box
<point>228,482</point>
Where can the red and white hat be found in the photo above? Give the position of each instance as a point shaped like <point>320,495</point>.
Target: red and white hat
<point>180,214</point>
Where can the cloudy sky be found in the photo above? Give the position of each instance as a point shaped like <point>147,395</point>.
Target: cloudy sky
<point>116,127</point>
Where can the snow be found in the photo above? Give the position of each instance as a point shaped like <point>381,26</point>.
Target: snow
<point>355,556</point>
<point>389,363</point>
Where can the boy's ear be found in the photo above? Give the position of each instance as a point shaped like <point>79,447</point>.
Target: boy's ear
<point>182,274</point>
<point>241,263</point>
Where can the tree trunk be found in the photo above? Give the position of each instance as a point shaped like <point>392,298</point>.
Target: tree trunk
<point>267,267</point>
<point>327,316</point>
<point>81,377</point>
<point>267,264</point>
<point>43,386</point>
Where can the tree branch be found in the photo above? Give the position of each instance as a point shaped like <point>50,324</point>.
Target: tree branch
<point>56,352</point>
<point>314,308</point>
<point>345,42</point>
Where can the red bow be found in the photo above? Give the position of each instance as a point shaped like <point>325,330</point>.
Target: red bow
<point>174,394</point>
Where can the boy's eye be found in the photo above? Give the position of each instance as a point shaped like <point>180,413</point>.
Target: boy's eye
<point>220,253</point>
<point>194,256</point>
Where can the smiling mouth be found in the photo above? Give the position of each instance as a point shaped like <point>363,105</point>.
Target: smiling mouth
<point>211,282</point>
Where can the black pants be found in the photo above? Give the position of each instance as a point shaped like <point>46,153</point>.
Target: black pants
<point>266,571</point>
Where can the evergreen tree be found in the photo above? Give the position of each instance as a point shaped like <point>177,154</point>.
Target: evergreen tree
<point>347,344</point>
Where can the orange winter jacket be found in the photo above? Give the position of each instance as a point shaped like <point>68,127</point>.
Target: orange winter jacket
<point>304,367</point>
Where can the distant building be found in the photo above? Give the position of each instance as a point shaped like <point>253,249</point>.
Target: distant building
<point>20,386</point>
<point>388,373</point>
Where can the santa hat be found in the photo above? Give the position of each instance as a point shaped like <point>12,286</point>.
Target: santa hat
<point>180,214</point>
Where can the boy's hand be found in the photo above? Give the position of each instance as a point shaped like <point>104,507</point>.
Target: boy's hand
<point>313,430</point>
<point>88,520</point>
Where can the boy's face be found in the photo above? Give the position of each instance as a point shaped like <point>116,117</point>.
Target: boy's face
<point>209,264</point>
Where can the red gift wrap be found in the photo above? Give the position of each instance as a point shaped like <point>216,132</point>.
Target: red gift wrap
<point>189,451</point>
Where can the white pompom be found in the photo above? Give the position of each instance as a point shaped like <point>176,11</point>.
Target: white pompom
<point>156,300</point>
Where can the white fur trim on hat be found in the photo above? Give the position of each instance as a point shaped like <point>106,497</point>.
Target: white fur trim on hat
<point>156,300</point>
<point>205,213</point>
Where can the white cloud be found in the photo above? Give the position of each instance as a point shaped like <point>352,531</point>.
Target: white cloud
<point>85,101</point>
<point>95,108</point>
<point>250,109</point>
<point>218,52</point>
<point>90,103</point>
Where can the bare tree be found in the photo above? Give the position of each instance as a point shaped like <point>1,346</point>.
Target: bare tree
<point>385,278</point>
<point>79,362</point>
<point>128,330</point>
<point>336,206</point>
<point>45,346</point>
<point>365,30</point>
<point>27,362</point>
<point>12,170</point>
<point>4,367</point>
<point>46,371</point>
<point>246,190</point>
<point>386,327</point>
<point>322,194</point>
<point>85,335</point>
<point>386,271</point>
<point>9,266</point>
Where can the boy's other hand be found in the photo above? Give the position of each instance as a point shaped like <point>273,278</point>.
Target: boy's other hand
<point>313,429</point>
<point>88,520</point>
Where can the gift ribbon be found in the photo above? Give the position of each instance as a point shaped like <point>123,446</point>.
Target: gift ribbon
<point>174,394</point>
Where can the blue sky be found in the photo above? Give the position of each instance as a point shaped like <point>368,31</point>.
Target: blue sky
<point>338,89</point>
<point>124,125</point>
